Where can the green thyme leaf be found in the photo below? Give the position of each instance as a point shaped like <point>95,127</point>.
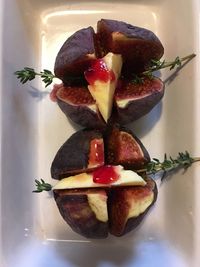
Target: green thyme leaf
<point>42,186</point>
<point>158,65</point>
<point>28,74</point>
<point>183,160</point>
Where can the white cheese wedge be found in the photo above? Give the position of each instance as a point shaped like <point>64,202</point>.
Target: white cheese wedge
<point>122,103</point>
<point>138,206</point>
<point>85,180</point>
<point>103,92</point>
<point>98,204</point>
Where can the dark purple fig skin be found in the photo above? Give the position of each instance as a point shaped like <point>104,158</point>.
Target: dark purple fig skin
<point>82,115</point>
<point>143,104</point>
<point>75,210</point>
<point>74,101</point>
<point>118,207</point>
<point>73,156</point>
<point>138,46</point>
<point>75,55</point>
<point>113,145</point>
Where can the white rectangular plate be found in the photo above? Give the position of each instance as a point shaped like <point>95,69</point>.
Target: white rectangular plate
<point>33,128</point>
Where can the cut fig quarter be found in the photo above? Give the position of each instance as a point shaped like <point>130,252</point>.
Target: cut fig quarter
<point>127,206</point>
<point>83,151</point>
<point>75,55</point>
<point>84,210</point>
<point>124,148</point>
<point>77,104</point>
<point>138,46</point>
<point>133,100</point>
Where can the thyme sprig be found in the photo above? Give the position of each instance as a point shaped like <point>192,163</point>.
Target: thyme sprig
<point>158,65</point>
<point>28,74</point>
<point>169,164</point>
<point>42,186</point>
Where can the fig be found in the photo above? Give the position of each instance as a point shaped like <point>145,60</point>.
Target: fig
<point>78,105</point>
<point>84,210</point>
<point>124,148</point>
<point>75,55</point>
<point>134,100</point>
<point>127,206</point>
<point>138,46</point>
<point>93,208</point>
<point>84,150</point>
<point>117,49</point>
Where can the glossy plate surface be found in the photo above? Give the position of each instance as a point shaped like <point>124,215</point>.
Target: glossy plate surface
<point>33,128</point>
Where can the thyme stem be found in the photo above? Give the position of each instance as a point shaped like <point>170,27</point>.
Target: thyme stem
<point>158,65</point>
<point>28,74</point>
<point>183,160</point>
<point>42,186</point>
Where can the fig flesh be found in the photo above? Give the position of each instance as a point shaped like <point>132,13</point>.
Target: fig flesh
<point>78,105</point>
<point>128,206</point>
<point>124,148</point>
<point>133,100</point>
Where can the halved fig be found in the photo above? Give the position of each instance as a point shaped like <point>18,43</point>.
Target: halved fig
<point>138,46</point>
<point>84,210</point>
<point>127,206</point>
<point>134,100</point>
<point>78,105</point>
<point>75,55</point>
<point>124,148</point>
<point>83,151</point>
<point>93,208</point>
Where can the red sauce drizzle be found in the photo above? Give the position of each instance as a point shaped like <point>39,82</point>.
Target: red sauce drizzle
<point>96,152</point>
<point>99,71</point>
<point>105,175</point>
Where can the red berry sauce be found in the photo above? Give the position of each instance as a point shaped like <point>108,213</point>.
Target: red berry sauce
<point>99,71</point>
<point>105,175</point>
<point>96,152</point>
